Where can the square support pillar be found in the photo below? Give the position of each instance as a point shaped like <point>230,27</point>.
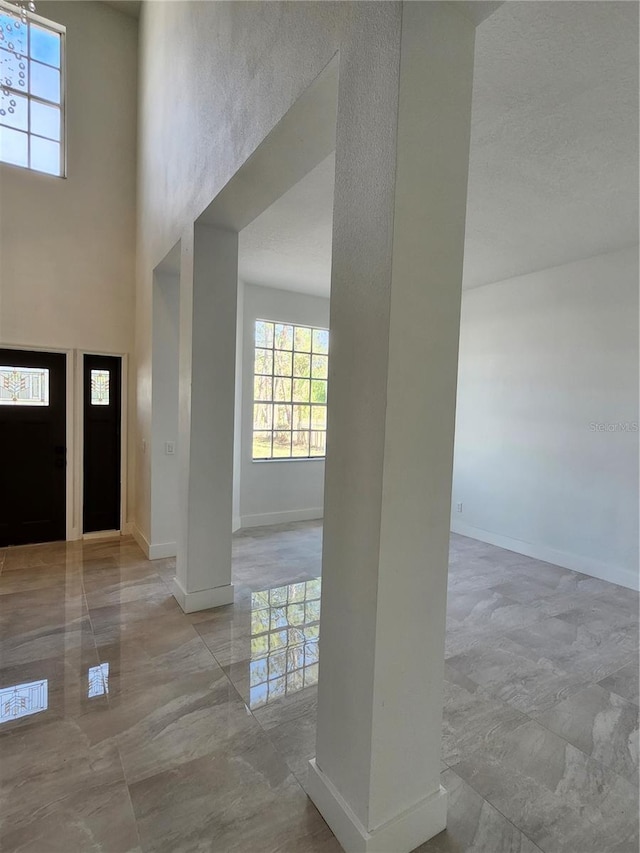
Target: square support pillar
<point>399,221</point>
<point>208,300</point>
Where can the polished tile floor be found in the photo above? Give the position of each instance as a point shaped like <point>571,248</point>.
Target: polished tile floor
<point>128,726</point>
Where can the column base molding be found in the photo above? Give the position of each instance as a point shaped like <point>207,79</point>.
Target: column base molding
<point>402,834</point>
<point>203,599</point>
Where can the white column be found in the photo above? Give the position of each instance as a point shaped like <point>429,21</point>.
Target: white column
<point>208,297</point>
<point>395,305</point>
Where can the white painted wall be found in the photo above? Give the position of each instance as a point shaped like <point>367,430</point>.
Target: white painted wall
<point>195,134</point>
<point>280,490</point>
<point>544,357</point>
<point>166,342</point>
<point>67,246</point>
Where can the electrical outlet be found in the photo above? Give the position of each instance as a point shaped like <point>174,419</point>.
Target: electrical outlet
<point>169,447</point>
<point>459,507</point>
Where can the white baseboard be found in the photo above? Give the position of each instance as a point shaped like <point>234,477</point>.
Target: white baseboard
<point>203,599</point>
<point>586,566</point>
<point>162,550</point>
<point>141,539</point>
<point>264,519</point>
<point>400,835</point>
<point>236,523</point>
<point>156,550</point>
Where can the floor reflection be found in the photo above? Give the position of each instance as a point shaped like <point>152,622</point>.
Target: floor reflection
<point>98,678</point>
<point>285,626</point>
<point>21,700</point>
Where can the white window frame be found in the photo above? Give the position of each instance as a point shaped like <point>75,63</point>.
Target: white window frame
<point>272,459</point>
<point>61,30</point>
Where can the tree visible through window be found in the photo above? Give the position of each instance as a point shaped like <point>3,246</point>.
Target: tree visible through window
<point>31,111</point>
<point>290,391</point>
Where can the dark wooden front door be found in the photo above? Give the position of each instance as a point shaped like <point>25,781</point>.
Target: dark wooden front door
<point>33,476</point>
<point>102,382</point>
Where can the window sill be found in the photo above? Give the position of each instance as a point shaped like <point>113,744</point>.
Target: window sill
<point>292,459</point>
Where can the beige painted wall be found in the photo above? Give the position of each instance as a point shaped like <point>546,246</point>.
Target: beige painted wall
<point>67,247</point>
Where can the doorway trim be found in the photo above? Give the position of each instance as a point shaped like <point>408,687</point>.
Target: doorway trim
<point>73,414</point>
<point>79,444</point>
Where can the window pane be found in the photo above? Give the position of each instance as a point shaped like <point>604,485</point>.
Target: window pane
<point>24,386</point>
<point>45,82</point>
<point>14,147</point>
<point>302,365</point>
<point>283,336</point>
<point>264,334</point>
<point>303,339</point>
<point>301,390</point>
<point>282,417</point>
<point>45,120</point>
<point>318,444</point>
<point>45,155</point>
<point>301,416</point>
<point>262,416</point>
<point>282,390</point>
<point>99,387</point>
<point>45,46</point>
<point>300,444</point>
<point>318,391</point>
<point>262,445</point>
<point>320,367</point>
<point>318,417</point>
<point>281,444</point>
<point>13,70</point>
<point>264,361</point>
<point>282,363</point>
<point>263,388</point>
<point>13,110</point>
<point>321,341</point>
<point>311,675</point>
<point>13,34</point>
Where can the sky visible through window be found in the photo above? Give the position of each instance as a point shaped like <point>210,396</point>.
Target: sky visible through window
<point>291,372</point>
<point>31,115</point>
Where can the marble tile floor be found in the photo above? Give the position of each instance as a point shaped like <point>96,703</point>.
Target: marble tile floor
<point>128,726</point>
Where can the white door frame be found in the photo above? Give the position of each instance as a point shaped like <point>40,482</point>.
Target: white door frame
<point>74,433</point>
<point>79,444</point>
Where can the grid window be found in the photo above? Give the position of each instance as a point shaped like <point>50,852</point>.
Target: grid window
<point>31,92</point>
<point>291,371</point>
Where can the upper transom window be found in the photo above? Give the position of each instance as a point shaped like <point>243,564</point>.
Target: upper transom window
<point>31,91</point>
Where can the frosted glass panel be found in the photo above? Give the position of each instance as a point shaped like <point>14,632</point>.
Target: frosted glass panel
<point>13,109</point>
<point>24,386</point>
<point>99,387</point>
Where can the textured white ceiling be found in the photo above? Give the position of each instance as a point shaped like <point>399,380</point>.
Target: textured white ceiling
<point>289,245</point>
<point>554,153</point>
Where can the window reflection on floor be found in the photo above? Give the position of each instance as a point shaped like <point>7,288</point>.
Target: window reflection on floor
<point>21,700</point>
<point>285,626</point>
<point>98,677</point>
